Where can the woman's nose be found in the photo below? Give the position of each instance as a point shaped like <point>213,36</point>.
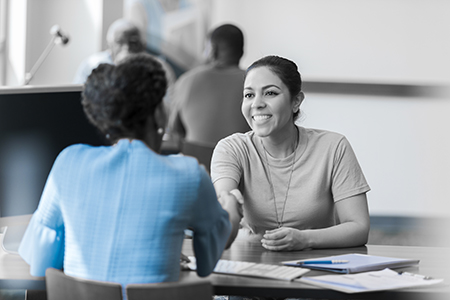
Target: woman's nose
<point>258,102</point>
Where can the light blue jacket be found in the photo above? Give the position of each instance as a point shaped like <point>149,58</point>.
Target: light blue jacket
<point>118,213</point>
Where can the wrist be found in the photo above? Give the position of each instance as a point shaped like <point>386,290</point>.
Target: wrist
<point>235,210</point>
<point>308,238</point>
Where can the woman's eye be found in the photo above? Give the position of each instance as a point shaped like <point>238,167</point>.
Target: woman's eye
<point>248,95</point>
<point>271,93</point>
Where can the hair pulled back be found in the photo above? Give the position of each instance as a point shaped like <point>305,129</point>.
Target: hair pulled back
<point>119,100</point>
<point>285,69</point>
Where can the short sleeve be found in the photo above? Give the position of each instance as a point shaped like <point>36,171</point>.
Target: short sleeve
<point>347,178</point>
<point>225,161</point>
<point>211,226</point>
<point>42,246</point>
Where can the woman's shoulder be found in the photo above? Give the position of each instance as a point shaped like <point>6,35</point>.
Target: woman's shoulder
<point>322,134</point>
<point>75,150</point>
<point>76,156</point>
<point>324,139</point>
<point>238,138</point>
<point>238,145</point>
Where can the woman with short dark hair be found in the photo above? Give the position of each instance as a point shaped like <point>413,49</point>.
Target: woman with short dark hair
<point>118,213</point>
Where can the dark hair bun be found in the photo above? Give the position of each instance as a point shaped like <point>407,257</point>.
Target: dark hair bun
<point>118,100</point>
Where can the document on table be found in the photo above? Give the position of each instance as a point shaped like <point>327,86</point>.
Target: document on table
<point>386,279</point>
<point>354,263</point>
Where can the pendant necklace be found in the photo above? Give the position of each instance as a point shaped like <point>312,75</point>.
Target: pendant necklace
<point>280,220</point>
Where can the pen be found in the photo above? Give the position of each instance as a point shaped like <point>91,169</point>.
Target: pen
<point>311,262</point>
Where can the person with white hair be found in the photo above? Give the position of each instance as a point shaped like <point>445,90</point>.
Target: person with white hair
<point>123,37</point>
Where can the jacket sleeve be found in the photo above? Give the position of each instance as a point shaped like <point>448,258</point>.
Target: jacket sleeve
<point>211,227</point>
<point>42,246</point>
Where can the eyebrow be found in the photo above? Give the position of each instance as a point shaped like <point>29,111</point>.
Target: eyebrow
<point>264,87</point>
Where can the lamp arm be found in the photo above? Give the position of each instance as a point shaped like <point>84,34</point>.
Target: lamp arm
<point>45,53</point>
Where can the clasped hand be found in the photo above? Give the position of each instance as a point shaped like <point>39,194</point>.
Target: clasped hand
<point>284,239</point>
<point>232,201</point>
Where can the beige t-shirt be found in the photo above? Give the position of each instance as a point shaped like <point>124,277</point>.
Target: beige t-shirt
<point>325,171</point>
<point>208,102</point>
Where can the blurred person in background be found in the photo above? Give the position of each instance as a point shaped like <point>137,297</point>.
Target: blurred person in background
<point>173,30</point>
<point>207,99</point>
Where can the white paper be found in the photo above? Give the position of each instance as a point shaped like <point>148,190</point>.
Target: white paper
<point>386,279</point>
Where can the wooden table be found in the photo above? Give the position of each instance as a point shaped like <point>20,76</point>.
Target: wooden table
<point>14,272</point>
<point>431,264</point>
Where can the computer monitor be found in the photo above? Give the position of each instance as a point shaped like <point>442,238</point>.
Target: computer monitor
<point>36,123</point>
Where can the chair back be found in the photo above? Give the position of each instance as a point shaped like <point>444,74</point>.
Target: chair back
<point>198,290</point>
<point>202,153</point>
<point>63,287</point>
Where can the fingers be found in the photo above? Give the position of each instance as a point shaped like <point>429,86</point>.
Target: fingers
<point>275,244</point>
<point>225,196</point>
<point>231,204</point>
<point>237,194</point>
<point>275,240</point>
<point>276,248</point>
<point>280,239</point>
<point>275,234</point>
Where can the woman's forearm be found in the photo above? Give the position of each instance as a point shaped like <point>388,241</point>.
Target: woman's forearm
<point>349,234</point>
<point>235,220</point>
<point>353,229</point>
<point>233,205</point>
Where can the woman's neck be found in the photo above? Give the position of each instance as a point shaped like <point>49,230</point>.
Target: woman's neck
<point>283,145</point>
<point>152,141</point>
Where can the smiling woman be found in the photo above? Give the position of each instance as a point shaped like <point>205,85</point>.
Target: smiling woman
<point>286,186</point>
<point>270,108</point>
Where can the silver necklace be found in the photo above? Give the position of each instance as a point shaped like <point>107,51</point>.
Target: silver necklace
<point>280,221</point>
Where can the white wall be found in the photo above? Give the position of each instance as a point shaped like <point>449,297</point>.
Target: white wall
<point>402,41</point>
<point>402,143</point>
<point>15,48</point>
<point>85,21</point>
<point>68,14</point>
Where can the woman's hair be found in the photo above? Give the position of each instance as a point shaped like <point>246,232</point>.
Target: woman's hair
<point>118,100</point>
<point>285,69</point>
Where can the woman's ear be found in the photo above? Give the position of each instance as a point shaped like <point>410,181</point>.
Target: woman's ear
<point>160,116</point>
<point>298,101</point>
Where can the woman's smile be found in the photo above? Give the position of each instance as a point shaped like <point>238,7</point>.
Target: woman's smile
<point>267,105</point>
<point>261,118</point>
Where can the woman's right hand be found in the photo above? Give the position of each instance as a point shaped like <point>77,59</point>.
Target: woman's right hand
<point>232,201</point>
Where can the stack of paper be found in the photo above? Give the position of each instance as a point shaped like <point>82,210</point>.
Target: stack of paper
<point>355,263</point>
<point>369,281</point>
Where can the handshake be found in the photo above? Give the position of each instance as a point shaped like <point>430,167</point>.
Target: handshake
<point>232,201</point>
